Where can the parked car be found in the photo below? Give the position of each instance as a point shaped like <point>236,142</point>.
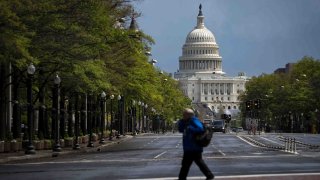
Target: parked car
<point>218,126</point>
<point>239,129</point>
<point>234,129</point>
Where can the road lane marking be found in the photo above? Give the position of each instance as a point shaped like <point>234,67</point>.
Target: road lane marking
<point>271,141</point>
<point>157,156</point>
<point>247,141</point>
<point>134,160</point>
<point>223,154</point>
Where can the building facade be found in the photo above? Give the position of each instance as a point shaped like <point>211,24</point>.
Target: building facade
<point>286,70</point>
<point>201,76</point>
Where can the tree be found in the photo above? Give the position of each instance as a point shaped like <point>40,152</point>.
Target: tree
<point>288,97</point>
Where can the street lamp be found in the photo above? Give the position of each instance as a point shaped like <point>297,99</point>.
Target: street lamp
<point>148,53</point>
<point>119,116</point>
<point>139,105</point>
<point>90,118</point>
<point>142,117</point>
<point>291,119</point>
<point>56,112</point>
<point>77,122</point>
<point>146,119</point>
<point>133,118</point>
<point>153,61</point>
<point>103,101</point>
<point>111,113</point>
<point>30,70</point>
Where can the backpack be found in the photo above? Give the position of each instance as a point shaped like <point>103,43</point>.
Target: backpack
<point>204,138</point>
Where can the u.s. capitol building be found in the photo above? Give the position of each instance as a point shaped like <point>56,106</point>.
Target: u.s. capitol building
<point>201,77</point>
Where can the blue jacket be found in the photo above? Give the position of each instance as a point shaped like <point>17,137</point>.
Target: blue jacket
<point>189,129</point>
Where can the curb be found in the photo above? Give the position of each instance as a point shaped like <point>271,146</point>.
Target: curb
<point>49,153</point>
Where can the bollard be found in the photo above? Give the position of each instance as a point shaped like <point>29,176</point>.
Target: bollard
<point>286,144</point>
<point>295,145</point>
<point>291,145</point>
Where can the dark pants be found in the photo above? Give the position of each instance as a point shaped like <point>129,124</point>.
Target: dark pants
<point>188,158</point>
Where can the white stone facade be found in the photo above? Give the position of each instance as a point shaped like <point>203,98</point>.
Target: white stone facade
<point>200,73</point>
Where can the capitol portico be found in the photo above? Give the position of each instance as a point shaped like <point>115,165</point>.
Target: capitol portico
<point>201,77</point>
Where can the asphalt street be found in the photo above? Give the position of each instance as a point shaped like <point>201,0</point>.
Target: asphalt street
<point>159,156</point>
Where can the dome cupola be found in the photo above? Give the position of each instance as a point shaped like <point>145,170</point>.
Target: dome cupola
<point>200,33</point>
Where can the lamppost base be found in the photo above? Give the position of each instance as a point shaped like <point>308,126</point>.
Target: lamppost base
<point>101,141</point>
<point>76,147</point>
<point>57,148</point>
<point>90,144</point>
<point>30,150</point>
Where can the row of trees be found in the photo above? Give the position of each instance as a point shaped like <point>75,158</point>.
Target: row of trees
<point>289,101</point>
<point>83,42</point>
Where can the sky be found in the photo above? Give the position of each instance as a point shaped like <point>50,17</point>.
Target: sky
<point>254,36</point>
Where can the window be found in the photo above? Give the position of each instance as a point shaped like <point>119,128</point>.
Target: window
<point>212,107</point>
<point>229,107</point>
<point>224,107</point>
<point>205,98</point>
<point>221,98</point>
<point>228,98</point>
<point>192,98</point>
<point>234,107</point>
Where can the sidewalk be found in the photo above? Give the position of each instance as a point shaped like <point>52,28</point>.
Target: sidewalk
<point>20,156</point>
<point>291,176</point>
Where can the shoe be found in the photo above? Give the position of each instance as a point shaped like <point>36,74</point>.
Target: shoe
<point>210,178</point>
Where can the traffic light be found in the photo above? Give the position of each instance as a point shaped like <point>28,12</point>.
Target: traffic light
<point>249,105</point>
<point>228,118</point>
<point>257,104</point>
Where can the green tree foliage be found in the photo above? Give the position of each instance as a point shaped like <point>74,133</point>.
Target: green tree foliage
<point>294,94</point>
<point>78,40</point>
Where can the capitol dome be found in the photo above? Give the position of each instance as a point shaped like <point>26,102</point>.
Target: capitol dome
<point>200,53</point>
<point>200,35</point>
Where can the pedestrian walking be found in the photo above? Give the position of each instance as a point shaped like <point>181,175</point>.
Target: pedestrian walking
<point>190,126</point>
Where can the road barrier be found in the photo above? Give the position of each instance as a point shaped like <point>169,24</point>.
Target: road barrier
<point>290,145</point>
<point>312,146</point>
